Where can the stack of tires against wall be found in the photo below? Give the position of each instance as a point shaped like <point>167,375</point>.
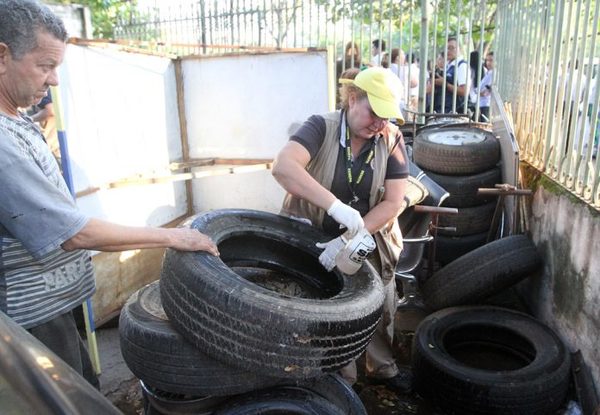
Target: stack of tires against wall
<point>480,359</point>
<point>461,160</point>
<point>261,328</point>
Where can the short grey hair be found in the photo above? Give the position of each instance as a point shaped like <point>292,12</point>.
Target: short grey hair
<point>20,22</point>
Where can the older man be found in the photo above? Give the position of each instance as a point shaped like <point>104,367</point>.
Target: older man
<point>44,269</point>
<point>456,69</point>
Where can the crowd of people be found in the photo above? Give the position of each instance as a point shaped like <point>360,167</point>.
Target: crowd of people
<point>454,84</point>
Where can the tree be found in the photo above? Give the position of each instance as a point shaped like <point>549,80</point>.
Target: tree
<point>369,12</point>
<point>105,13</point>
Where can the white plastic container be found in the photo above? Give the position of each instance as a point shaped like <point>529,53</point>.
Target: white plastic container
<point>351,257</point>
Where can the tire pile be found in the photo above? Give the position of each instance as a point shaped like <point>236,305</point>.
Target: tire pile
<point>461,160</point>
<point>262,326</point>
<point>477,359</point>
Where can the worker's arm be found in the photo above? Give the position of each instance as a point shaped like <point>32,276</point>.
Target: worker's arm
<point>106,236</point>
<point>289,169</point>
<point>389,208</point>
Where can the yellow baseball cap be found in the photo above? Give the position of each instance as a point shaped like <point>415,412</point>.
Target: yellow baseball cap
<point>383,90</point>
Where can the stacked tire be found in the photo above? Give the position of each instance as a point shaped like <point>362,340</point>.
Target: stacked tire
<point>263,324</point>
<point>461,160</point>
<point>484,360</point>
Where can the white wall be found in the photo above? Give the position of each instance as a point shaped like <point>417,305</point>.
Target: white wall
<point>121,121</point>
<point>566,295</point>
<point>243,107</point>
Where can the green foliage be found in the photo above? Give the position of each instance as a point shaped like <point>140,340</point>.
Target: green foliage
<point>459,12</point>
<point>105,14</point>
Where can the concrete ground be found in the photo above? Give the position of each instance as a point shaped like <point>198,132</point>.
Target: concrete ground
<point>117,382</point>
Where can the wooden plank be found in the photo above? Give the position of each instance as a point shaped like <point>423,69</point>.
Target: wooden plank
<point>200,172</point>
<point>215,161</point>
<point>185,147</point>
<point>120,274</point>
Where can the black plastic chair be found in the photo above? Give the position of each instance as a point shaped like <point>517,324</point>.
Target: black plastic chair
<point>416,225</point>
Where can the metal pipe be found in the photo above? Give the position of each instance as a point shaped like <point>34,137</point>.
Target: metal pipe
<point>423,61</point>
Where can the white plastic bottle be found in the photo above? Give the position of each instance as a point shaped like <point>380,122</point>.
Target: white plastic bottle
<point>351,257</point>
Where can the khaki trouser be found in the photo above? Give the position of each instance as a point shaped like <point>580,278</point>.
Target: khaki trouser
<point>379,355</point>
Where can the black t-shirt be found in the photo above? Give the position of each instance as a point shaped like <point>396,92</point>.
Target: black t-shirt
<point>311,135</point>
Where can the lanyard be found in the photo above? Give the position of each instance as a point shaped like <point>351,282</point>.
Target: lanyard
<point>361,173</point>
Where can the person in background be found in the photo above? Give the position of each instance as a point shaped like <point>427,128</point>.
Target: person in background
<point>44,117</point>
<point>377,52</point>
<point>431,91</point>
<point>413,92</point>
<point>456,67</point>
<point>400,68</point>
<point>45,268</point>
<point>477,72</point>
<point>348,169</point>
<point>351,59</point>
<point>485,90</point>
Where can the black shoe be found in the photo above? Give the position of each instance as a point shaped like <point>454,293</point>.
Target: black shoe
<point>401,383</point>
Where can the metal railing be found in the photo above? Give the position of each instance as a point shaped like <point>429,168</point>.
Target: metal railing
<point>548,72</point>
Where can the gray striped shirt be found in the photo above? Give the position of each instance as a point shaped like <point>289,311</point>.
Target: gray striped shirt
<point>38,279</point>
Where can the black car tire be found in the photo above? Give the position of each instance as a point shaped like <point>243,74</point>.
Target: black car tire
<point>449,248</point>
<point>456,151</point>
<point>468,221</point>
<point>163,359</point>
<point>336,390</point>
<point>463,189</point>
<point>489,360</point>
<point>158,402</point>
<point>241,323</point>
<point>282,400</point>
<point>482,272</point>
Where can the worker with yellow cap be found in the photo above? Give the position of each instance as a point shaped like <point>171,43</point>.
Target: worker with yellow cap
<point>345,172</point>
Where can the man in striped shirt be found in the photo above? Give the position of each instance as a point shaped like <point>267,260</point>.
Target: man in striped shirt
<point>45,270</point>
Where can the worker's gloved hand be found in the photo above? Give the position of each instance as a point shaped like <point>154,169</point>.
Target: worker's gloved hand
<point>347,216</point>
<point>331,249</point>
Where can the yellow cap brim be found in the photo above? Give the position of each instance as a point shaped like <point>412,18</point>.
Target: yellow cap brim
<point>385,109</point>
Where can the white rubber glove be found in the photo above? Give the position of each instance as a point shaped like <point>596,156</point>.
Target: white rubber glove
<point>331,249</point>
<point>347,216</point>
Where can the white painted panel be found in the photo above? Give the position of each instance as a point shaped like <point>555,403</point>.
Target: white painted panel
<point>121,121</point>
<point>255,190</point>
<point>243,106</point>
<point>148,205</point>
<point>121,114</point>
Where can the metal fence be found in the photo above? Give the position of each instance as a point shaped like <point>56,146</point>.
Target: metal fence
<point>548,72</point>
<point>546,52</point>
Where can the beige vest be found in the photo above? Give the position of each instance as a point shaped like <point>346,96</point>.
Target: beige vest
<point>389,238</point>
